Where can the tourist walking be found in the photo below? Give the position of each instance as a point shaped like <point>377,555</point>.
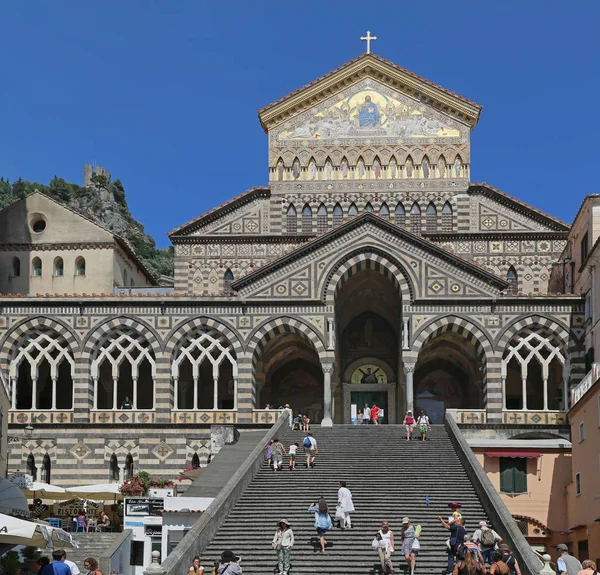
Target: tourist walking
<point>497,566</point>
<point>311,449</point>
<point>409,423</point>
<point>457,539</point>
<point>424,424</point>
<point>383,543</point>
<point>367,414</point>
<point>230,563</point>
<point>455,507</point>
<point>510,560</point>
<point>486,538</point>
<point>283,541</point>
<point>292,451</point>
<point>375,414</point>
<point>57,567</point>
<point>588,568</point>
<point>196,568</point>
<point>566,563</point>
<point>92,566</point>
<point>468,565</point>
<point>470,545</point>
<point>346,503</point>
<point>269,452</point>
<point>322,520</point>
<point>408,538</point>
<point>277,453</point>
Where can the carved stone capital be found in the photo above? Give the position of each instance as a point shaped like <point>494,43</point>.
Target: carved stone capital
<point>327,367</point>
<point>409,367</point>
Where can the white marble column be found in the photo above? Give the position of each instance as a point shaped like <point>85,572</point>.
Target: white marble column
<point>175,392</point>
<point>331,335</point>
<point>216,392</point>
<point>135,392</point>
<point>327,369</point>
<point>33,393</point>
<point>409,370</point>
<point>115,381</point>
<point>195,406</point>
<point>524,391</point>
<point>13,391</point>
<point>54,381</point>
<point>405,334</point>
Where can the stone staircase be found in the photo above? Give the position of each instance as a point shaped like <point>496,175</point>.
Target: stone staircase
<point>90,545</point>
<point>389,478</point>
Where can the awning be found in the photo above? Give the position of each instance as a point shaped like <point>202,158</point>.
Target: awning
<point>526,454</point>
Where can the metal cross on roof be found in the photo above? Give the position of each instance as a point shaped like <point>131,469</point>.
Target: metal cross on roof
<point>368,39</point>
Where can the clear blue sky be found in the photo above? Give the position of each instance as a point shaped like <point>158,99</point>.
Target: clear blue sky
<point>164,93</point>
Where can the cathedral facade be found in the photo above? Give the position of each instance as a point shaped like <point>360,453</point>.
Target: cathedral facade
<point>369,270</point>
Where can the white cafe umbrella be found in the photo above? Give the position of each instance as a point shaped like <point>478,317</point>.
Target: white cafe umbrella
<point>47,491</point>
<point>12,500</point>
<point>20,532</point>
<point>99,491</point>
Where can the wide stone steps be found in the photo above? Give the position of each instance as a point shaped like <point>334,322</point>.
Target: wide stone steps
<point>90,545</point>
<point>389,478</point>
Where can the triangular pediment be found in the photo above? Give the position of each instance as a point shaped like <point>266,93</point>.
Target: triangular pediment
<point>413,88</point>
<point>429,271</point>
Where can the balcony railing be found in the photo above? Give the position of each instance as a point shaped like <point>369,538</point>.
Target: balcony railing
<point>582,387</point>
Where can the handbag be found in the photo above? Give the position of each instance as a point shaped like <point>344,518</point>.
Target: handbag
<point>375,544</point>
<point>339,513</point>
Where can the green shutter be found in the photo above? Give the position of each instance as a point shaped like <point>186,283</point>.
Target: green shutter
<point>507,483</point>
<point>520,475</point>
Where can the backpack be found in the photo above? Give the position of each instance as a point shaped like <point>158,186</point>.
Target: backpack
<point>487,538</point>
<point>307,442</point>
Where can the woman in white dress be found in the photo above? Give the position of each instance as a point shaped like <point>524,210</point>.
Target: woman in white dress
<point>346,503</point>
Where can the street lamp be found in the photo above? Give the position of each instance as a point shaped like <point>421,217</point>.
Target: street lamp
<point>28,431</point>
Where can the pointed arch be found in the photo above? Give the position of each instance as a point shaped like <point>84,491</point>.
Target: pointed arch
<point>307,219</point>
<point>409,167</point>
<point>328,169</point>
<point>368,207</point>
<point>360,168</point>
<point>280,169</point>
<point>400,215</point>
<point>31,468</point>
<point>442,170</point>
<point>352,210</point>
<point>458,167</point>
<point>513,281</point>
<point>384,211</point>
<point>447,218</point>
<point>431,218</point>
<point>195,461</point>
<point>312,169</point>
<point>46,469</point>
<point>129,467</point>
<point>376,168</point>
<point>36,267</point>
<point>15,270</point>
<point>338,215</point>
<point>291,220</point>
<point>296,168</point>
<point>344,167</point>
<point>425,167</point>
<point>393,168</point>
<point>415,218</point>
<point>322,217</point>
<point>227,281</point>
<point>113,469</point>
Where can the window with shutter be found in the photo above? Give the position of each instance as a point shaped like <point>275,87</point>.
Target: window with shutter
<point>513,475</point>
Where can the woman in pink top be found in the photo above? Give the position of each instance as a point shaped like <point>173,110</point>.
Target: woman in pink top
<point>589,567</point>
<point>409,422</point>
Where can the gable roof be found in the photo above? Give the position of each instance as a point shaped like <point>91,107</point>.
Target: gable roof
<point>222,209</point>
<point>122,242</point>
<point>364,218</point>
<point>518,205</point>
<point>380,68</point>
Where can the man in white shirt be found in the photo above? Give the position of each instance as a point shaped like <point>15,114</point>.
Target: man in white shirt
<point>346,503</point>
<point>487,539</point>
<point>367,414</point>
<point>311,450</point>
<point>74,569</point>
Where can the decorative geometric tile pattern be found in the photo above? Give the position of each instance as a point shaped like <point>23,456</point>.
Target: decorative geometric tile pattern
<point>162,451</point>
<point>80,450</point>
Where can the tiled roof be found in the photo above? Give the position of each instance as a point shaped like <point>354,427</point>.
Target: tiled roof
<point>380,59</point>
<point>233,202</point>
<point>512,199</point>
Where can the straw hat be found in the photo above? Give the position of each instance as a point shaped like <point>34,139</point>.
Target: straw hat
<point>284,521</point>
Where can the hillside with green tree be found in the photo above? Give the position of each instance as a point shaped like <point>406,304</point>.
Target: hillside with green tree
<point>104,202</point>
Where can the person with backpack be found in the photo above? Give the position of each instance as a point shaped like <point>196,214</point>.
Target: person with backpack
<point>277,453</point>
<point>456,541</point>
<point>468,566</point>
<point>322,520</point>
<point>510,560</point>
<point>497,566</point>
<point>486,538</point>
<point>310,449</point>
<point>424,425</point>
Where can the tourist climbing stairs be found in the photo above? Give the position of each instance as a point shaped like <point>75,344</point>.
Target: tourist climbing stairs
<point>389,477</point>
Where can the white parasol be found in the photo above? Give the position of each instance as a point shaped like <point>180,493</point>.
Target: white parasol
<point>12,500</point>
<point>47,491</point>
<point>98,492</point>
<point>20,532</point>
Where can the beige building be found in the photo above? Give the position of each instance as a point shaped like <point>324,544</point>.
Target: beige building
<point>47,249</point>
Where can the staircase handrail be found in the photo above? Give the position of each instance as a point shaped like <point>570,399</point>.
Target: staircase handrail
<point>105,561</point>
<point>492,503</point>
<point>203,531</point>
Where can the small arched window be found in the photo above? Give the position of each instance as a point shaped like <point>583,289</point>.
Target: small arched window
<point>352,210</point>
<point>447,217</point>
<point>415,219</point>
<point>338,215</point>
<point>31,468</point>
<point>513,281</point>
<point>306,219</point>
<point>195,461</point>
<point>36,266</point>
<point>425,167</point>
<point>80,266</point>
<point>46,469</point>
<point>227,281</point>
<point>322,219</point>
<point>368,207</point>
<point>59,267</point>
<point>113,469</point>
<point>291,220</point>
<point>400,215</point>
<point>16,268</point>
<point>384,210</point>
<point>431,218</point>
<point>129,466</point>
